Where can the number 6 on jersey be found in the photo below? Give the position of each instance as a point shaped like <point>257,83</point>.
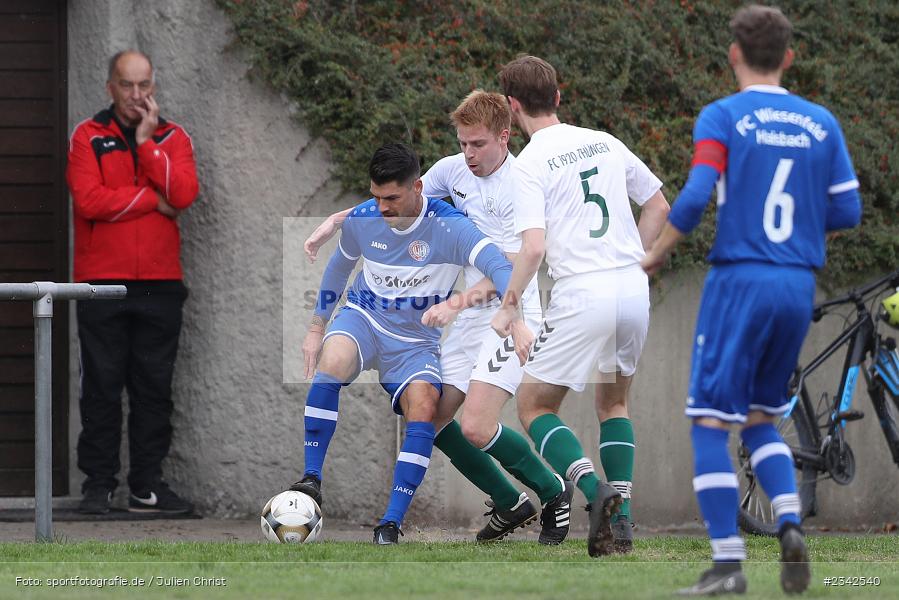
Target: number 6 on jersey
<point>777,197</point>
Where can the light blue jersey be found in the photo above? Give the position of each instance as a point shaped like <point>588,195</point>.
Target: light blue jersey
<point>405,272</point>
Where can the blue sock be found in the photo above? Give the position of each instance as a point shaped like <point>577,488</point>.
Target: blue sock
<point>411,465</point>
<point>320,421</point>
<point>716,490</point>
<point>772,463</point>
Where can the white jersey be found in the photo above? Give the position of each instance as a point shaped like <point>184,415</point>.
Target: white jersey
<point>575,184</point>
<point>487,201</point>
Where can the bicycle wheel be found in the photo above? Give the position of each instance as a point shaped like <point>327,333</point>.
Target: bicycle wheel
<point>756,514</point>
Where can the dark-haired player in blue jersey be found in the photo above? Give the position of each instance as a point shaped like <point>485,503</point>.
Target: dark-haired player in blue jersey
<point>412,250</point>
<point>784,179</point>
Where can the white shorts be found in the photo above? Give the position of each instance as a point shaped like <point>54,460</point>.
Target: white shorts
<point>473,351</point>
<point>594,321</point>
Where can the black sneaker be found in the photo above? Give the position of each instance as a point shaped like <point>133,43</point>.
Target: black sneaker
<point>158,498</point>
<point>607,503</point>
<point>623,536</point>
<point>723,578</point>
<point>96,501</point>
<point>387,534</point>
<point>503,522</point>
<point>795,573</point>
<point>311,486</point>
<point>555,518</point>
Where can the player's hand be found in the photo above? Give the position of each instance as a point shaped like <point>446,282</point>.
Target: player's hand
<point>653,262</point>
<point>503,319</point>
<point>324,232</point>
<point>312,347</point>
<point>523,338</point>
<point>149,120</point>
<point>165,208</point>
<point>439,315</point>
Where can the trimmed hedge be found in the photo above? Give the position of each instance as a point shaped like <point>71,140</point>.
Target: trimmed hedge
<point>362,73</point>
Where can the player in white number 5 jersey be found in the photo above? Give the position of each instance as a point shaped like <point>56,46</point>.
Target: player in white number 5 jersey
<point>571,190</point>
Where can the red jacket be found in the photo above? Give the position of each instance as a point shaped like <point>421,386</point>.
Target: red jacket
<point>119,233</point>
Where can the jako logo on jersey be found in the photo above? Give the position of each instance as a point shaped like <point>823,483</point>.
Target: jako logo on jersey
<point>419,250</point>
<point>379,245</point>
<point>313,444</point>
<point>404,490</point>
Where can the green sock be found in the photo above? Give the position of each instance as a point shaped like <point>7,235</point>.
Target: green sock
<point>513,452</point>
<point>476,466</point>
<point>562,450</point>
<point>616,451</point>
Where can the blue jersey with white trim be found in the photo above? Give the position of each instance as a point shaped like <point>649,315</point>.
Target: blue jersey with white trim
<point>405,272</point>
<point>785,159</point>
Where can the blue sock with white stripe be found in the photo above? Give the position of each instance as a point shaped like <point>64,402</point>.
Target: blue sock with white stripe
<point>320,421</point>
<point>772,463</point>
<point>411,466</point>
<point>715,485</point>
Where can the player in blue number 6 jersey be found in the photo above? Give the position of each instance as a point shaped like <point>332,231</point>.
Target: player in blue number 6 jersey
<point>412,250</point>
<point>784,179</point>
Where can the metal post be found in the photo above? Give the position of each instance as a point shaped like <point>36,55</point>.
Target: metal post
<point>43,422</point>
<point>42,294</point>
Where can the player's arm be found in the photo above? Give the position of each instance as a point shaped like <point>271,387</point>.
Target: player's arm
<point>507,320</point>
<point>709,162</point>
<point>529,217</point>
<point>470,247</point>
<point>332,224</point>
<point>324,232</point>
<point>844,210</point>
<point>333,284</point>
<point>684,217</point>
<point>171,168</point>
<point>653,215</point>
<point>844,206</point>
<point>527,261</point>
<point>686,212</point>
<point>441,315</point>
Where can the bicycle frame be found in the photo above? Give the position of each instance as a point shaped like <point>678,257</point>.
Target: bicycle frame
<point>814,429</point>
<point>862,340</point>
<point>886,366</point>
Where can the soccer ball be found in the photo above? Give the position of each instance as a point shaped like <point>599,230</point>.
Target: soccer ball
<point>291,518</point>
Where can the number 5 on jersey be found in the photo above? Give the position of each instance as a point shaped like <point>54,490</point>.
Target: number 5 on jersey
<point>600,201</point>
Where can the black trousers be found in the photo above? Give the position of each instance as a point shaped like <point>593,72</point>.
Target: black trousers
<point>130,343</point>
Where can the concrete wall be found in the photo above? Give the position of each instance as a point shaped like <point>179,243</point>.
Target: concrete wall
<point>238,396</point>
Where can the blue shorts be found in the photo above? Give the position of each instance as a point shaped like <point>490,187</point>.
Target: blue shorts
<point>398,362</point>
<point>752,321</point>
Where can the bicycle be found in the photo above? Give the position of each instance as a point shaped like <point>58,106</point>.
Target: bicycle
<point>815,432</point>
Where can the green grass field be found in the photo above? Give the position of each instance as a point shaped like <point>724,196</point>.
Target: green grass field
<point>465,571</point>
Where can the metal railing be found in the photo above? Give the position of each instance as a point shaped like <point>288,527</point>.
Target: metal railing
<point>42,294</point>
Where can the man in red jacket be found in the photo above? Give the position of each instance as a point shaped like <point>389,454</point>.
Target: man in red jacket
<point>131,173</point>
